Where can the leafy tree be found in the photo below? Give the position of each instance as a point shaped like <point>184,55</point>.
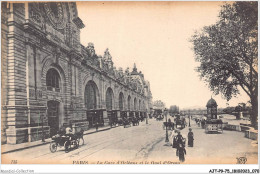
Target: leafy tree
<point>173,110</point>
<point>227,52</point>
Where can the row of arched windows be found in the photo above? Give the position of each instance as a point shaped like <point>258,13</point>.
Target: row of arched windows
<point>91,99</point>
<point>53,82</point>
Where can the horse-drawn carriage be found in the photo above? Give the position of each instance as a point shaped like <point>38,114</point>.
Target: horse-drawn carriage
<point>159,117</point>
<point>158,114</point>
<point>180,122</point>
<point>169,125</point>
<point>127,122</point>
<point>135,121</point>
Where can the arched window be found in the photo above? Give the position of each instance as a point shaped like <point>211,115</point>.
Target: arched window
<point>109,99</point>
<point>135,104</point>
<point>139,105</point>
<point>121,101</point>
<point>53,80</point>
<point>90,95</point>
<point>129,103</point>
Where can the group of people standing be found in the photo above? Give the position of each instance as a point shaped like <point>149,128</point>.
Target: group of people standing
<point>201,122</point>
<point>179,142</point>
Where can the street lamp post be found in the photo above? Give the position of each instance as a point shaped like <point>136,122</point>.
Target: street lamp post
<point>43,137</point>
<point>167,138</point>
<point>189,118</point>
<point>42,119</point>
<point>146,117</point>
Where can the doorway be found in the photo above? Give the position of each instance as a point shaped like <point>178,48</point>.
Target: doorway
<point>53,116</point>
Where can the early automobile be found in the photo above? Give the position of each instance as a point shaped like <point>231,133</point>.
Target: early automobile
<point>66,141</point>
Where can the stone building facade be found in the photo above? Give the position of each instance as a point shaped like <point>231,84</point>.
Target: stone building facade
<point>49,79</point>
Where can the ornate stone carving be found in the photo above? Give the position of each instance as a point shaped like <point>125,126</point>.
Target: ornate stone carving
<point>57,55</point>
<point>35,16</point>
<point>91,50</point>
<point>55,13</point>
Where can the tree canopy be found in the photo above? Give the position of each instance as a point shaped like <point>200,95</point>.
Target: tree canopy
<point>228,52</point>
<point>173,110</point>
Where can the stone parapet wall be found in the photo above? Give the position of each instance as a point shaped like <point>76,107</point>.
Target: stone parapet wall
<point>251,134</point>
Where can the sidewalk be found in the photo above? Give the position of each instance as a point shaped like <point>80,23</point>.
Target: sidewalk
<point>222,148</point>
<point>8,148</point>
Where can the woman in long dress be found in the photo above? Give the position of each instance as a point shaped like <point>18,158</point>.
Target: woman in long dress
<point>182,152</point>
<point>190,138</point>
<point>174,139</point>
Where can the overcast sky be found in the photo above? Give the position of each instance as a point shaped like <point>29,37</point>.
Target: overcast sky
<point>155,36</point>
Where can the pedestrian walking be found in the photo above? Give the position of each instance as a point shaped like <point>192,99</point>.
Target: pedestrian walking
<point>202,123</point>
<point>96,125</point>
<point>190,138</point>
<point>172,125</point>
<point>182,152</point>
<point>179,141</point>
<point>174,138</point>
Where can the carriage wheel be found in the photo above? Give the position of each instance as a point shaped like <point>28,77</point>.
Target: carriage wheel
<point>53,147</point>
<point>77,143</point>
<point>67,145</point>
<point>81,141</point>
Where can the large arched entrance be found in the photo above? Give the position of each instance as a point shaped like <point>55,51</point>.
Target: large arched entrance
<point>121,101</point>
<point>135,108</point>
<point>135,104</point>
<point>121,105</point>
<point>53,116</point>
<point>54,108</point>
<point>129,103</point>
<point>91,95</point>
<point>139,109</point>
<point>109,99</point>
<point>131,114</point>
<point>109,105</point>
<point>94,116</point>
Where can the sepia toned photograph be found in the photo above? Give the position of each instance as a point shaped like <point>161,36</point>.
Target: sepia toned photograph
<point>115,82</point>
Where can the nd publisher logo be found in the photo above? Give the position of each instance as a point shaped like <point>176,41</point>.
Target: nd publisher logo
<point>241,160</point>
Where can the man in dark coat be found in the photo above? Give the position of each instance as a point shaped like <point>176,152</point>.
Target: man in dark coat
<point>190,138</point>
<point>179,141</point>
<point>182,152</point>
<point>174,139</point>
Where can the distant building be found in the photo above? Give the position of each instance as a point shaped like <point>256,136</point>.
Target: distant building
<point>158,107</point>
<point>49,79</point>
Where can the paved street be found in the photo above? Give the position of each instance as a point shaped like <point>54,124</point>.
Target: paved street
<point>145,143</point>
<point>211,148</point>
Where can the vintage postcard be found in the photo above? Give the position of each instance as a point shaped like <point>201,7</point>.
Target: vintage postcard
<point>129,82</point>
